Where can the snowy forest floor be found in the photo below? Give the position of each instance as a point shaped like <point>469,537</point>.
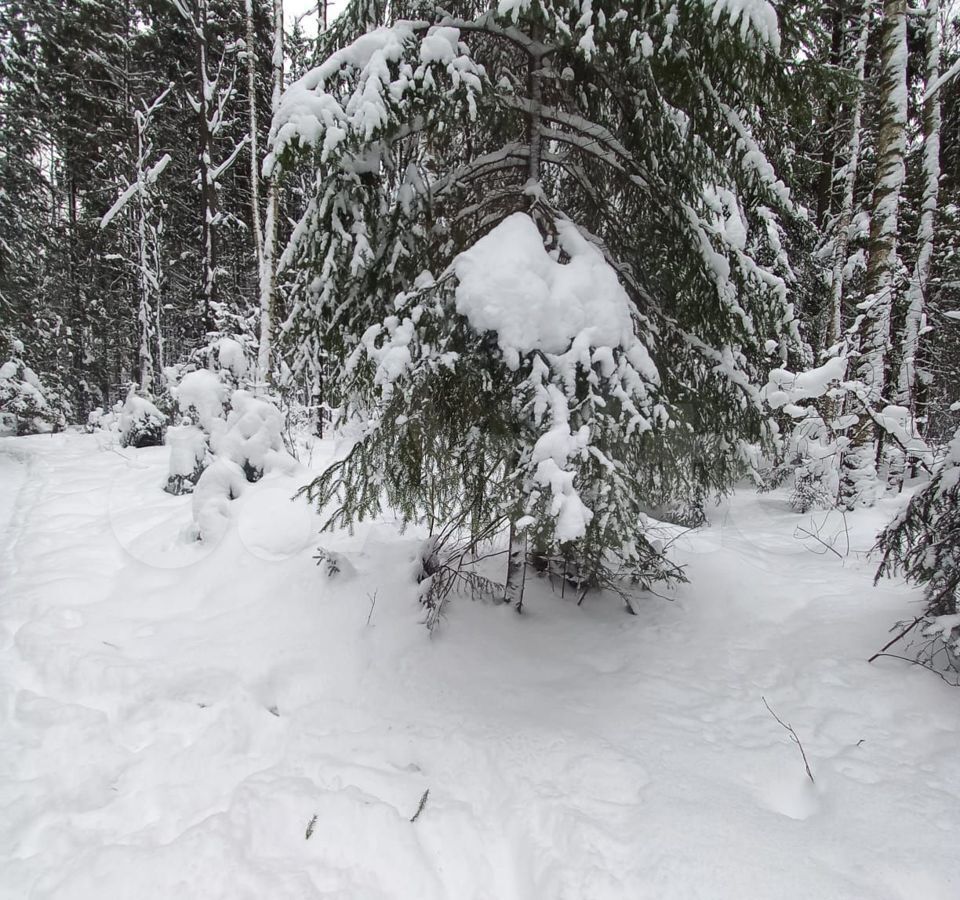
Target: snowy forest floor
<point>175,718</point>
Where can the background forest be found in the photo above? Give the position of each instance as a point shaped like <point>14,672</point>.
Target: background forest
<point>333,338</point>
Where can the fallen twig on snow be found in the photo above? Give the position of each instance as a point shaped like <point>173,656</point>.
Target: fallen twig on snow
<point>423,803</point>
<point>793,737</point>
<point>820,540</point>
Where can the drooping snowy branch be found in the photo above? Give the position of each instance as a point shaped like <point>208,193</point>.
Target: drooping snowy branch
<point>139,186</point>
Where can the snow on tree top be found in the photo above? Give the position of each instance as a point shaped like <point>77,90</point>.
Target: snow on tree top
<point>510,284</point>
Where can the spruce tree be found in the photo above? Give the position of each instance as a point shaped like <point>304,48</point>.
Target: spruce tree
<point>923,544</point>
<point>625,139</point>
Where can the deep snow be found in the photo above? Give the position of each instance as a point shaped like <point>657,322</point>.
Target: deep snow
<point>174,715</point>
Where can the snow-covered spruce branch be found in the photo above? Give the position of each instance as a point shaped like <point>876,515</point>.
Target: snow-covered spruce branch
<point>487,24</point>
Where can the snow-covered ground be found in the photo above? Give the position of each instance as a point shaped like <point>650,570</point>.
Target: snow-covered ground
<point>179,721</point>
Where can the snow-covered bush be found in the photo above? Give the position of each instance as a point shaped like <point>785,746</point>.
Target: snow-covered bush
<point>243,447</point>
<point>923,544</point>
<point>222,481</point>
<point>25,407</point>
<point>822,435</point>
<point>202,396</point>
<point>225,436</point>
<point>232,358</point>
<point>188,457</point>
<point>99,419</point>
<point>812,446</point>
<point>141,424</point>
<point>251,436</point>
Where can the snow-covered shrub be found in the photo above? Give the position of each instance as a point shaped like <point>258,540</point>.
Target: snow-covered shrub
<point>25,407</point>
<point>232,358</point>
<point>923,544</point>
<point>813,445</point>
<point>333,564</point>
<point>201,395</point>
<point>823,435</point>
<point>105,420</point>
<point>223,435</point>
<point>243,447</point>
<point>251,436</point>
<point>141,424</point>
<point>222,481</point>
<point>188,456</point>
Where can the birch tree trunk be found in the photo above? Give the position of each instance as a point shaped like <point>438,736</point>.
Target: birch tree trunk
<point>859,481</point>
<point>268,256</point>
<point>146,317</point>
<point>516,568</point>
<point>905,394</point>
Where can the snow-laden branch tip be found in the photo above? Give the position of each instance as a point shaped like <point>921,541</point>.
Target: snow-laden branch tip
<point>949,75</point>
<point>756,16</point>
<point>214,174</point>
<point>788,388</point>
<point>139,186</point>
<point>383,67</point>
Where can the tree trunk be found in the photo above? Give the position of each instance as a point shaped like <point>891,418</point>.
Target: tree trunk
<point>145,317</point>
<point>516,568</point>
<point>828,152</point>
<point>859,482</point>
<point>913,323</point>
<point>535,118</point>
<point>842,238</point>
<point>268,262</point>
<point>208,190</point>
<point>251,59</point>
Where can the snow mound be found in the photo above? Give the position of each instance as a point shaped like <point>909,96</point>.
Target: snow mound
<point>252,436</point>
<point>231,357</point>
<point>509,283</point>
<point>201,394</point>
<point>272,527</point>
<point>222,481</point>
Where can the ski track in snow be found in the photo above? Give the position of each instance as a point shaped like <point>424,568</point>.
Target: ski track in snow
<point>174,716</point>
